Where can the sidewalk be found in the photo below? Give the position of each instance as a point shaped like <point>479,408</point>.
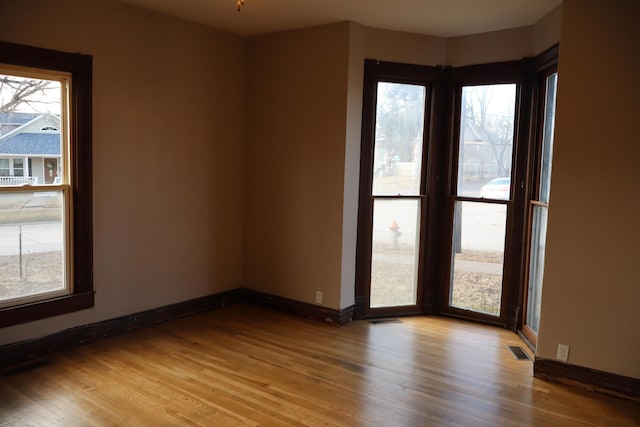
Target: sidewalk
<point>460,265</point>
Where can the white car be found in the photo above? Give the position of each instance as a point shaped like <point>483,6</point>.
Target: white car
<point>498,188</point>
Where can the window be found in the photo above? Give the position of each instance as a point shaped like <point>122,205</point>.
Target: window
<point>393,196</point>
<point>445,188</point>
<point>484,164</point>
<point>18,167</point>
<point>45,184</point>
<point>541,158</point>
<point>5,170</point>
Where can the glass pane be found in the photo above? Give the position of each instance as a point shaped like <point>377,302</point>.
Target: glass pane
<point>478,255</point>
<point>394,258</point>
<point>4,168</point>
<point>31,244</point>
<point>486,141</point>
<point>18,167</point>
<point>547,137</point>
<point>30,128</point>
<point>536,266</point>
<point>398,139</point>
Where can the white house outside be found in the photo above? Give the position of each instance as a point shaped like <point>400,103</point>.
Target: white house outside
<point>29,148</point>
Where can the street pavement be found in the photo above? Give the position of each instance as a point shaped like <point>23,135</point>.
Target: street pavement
<point>35,237</point>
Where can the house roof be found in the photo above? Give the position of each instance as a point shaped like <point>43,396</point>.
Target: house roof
<point>28,137</point>
<point>473,132</point>
<point>32,144</point>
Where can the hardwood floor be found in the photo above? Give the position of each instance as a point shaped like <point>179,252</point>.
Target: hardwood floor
<point>245,365</point>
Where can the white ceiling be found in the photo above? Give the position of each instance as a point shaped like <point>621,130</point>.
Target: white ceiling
<point>443,18</point>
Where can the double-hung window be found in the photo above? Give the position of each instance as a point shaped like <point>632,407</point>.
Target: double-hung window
<point>45,183</point>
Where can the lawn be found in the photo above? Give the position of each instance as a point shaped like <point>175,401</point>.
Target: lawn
<point>41,272</point>
<point>392,274</point>
<point>36,272</point>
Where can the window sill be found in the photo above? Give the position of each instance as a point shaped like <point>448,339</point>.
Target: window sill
<point>47,308</point>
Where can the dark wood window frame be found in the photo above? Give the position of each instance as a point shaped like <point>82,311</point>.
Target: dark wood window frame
<point>440,148</point>
<point>80,122</point>
<point>546,64</point>
<point>519,73</point>
<point>379,71</point>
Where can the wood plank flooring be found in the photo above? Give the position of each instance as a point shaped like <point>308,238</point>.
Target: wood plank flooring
<point>248,366</point>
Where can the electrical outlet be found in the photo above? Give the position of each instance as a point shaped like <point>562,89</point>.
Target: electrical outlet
<point>563,353</point>
<point>318,297</point>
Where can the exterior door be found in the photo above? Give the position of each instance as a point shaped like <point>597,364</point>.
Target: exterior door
<point>50,170</point>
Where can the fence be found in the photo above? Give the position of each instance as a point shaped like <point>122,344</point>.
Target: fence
<point>18,180</point>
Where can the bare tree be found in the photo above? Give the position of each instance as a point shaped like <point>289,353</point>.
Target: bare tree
<point>495,129</point>
<point>17,93</point>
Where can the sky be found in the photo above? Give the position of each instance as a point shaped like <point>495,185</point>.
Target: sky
<point>46,101</point>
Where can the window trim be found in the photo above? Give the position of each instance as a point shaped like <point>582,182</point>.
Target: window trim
<point>80,146</point>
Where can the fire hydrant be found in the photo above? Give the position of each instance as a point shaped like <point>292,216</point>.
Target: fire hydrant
<point>395,234</point>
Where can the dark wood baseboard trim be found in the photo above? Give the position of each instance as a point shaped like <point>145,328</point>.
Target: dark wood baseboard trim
<point>587,378</point>
<point>300,309</point>
<point>26,351</point>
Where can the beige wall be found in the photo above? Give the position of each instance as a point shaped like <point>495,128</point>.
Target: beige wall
<point>305,107</point>
<point>158,241</point>
<point>168,149</point>
<point>591,287</point>
<point>546,32</point>
<point>383,45</point>
<point>305,103</point>
<point>395,46</point>
<point>496,46</point>
<point>295,163</point>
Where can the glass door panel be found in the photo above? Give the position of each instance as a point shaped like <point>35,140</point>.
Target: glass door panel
<point>486,141</point>
<point>536,266</point>
<point>397,162</point>
<point>478,256</point>
<point>395,252</point>
<point>484,169</point>
<point>538,213</point>
<point>396,185</point>
<point>547,138</point>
